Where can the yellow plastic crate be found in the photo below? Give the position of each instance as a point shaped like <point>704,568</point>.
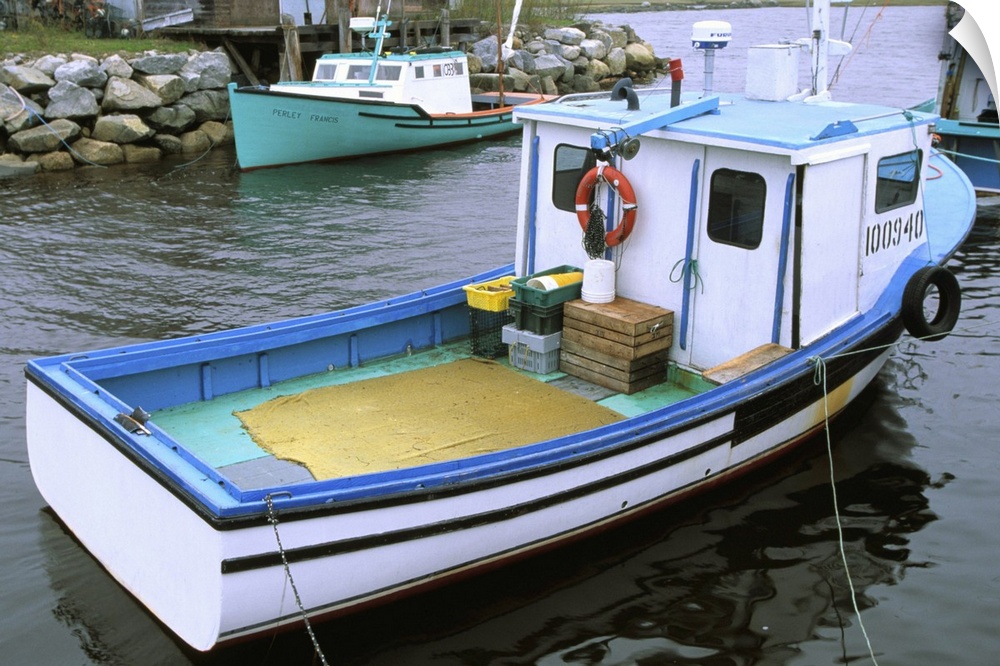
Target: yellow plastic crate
<point>491,296</point>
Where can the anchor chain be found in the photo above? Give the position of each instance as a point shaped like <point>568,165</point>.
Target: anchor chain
<point>272,518</point>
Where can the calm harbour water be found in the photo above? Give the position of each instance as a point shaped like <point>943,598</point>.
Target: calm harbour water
<point>750,574</point>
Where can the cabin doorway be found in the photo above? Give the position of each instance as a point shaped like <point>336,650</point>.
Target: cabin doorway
<point>830,233</point>
<point>738,237</point>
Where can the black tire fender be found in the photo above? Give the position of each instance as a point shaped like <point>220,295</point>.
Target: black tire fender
<point>949,303</point>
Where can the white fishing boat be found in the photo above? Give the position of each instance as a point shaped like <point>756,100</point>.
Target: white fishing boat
<point>369,103</point>
<point>748,262</point>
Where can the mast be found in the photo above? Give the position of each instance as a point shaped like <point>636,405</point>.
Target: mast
<point>500,50</point>
<point>382,22</point>
<point>821,47</point>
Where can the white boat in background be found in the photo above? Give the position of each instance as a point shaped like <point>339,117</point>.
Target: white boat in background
<point>748,260</point>
<point>969,127</point>
<point>369,103</point>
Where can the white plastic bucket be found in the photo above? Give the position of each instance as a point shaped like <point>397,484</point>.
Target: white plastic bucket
<point>598,281</point>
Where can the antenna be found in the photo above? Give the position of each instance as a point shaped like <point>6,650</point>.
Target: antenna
<point>820,48</point>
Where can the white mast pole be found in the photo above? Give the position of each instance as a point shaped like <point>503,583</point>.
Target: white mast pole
<point>821,45</point>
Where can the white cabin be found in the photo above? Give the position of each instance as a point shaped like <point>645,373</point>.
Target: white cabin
<point>758,222</point>
<point>437,82</point>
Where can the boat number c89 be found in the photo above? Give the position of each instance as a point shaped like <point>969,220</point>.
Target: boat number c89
<point>892,232</point>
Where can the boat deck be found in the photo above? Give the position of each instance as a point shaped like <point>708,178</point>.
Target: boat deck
<point>215,432</point>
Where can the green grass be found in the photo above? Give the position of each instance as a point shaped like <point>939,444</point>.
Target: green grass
<point>35,39</point>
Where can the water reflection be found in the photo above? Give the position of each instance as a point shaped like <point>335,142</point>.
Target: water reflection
<point>108,625</point>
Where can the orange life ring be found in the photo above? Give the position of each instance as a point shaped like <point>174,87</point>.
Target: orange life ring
<point>619,183</point>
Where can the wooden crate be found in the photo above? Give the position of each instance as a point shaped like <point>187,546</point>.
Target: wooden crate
<point>623,328</point>
<point>621,345</point>
<point>613,372</point>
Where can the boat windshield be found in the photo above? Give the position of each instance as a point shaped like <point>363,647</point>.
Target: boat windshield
<point>384,72</point>
<point>325,72</point>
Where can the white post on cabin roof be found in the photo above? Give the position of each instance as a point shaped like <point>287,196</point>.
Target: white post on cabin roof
<point>821,45</point>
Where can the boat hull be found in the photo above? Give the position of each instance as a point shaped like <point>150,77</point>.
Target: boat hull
<point>226,573</point>
<point>274,128</point>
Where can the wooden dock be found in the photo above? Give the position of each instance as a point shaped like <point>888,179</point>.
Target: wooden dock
<point>292,50</point>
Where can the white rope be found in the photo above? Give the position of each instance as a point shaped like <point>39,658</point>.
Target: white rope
<point>24,107</point>
<point>819,378</point>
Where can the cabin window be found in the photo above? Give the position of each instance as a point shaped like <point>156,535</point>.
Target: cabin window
<point>898,181</point>
<point>736,208</point>
<point>571,164</point>
<point>359,72</point>
<point>388,72</point>
<point>418,72</point>
<point>325,71</point>
<point>384,73</point>
<point>459,69</point>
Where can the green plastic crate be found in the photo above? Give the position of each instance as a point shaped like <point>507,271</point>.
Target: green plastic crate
<point>537,319</point>
<point>543,298</point>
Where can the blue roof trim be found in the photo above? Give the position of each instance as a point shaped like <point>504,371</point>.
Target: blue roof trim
<point>408,56</point>
<point>790,126</point>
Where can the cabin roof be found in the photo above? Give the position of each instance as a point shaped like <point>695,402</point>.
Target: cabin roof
<point>777,127</point>
<point>407,56</point>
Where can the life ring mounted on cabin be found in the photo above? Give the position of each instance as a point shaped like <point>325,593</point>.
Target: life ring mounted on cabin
<point>617,181</point>
<point>918,289</point>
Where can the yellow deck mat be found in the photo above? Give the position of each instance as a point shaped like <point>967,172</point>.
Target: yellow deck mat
<point>444,412</point>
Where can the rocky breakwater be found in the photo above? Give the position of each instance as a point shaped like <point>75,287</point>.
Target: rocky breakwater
<point>585,57</point>
<point>58,112</point>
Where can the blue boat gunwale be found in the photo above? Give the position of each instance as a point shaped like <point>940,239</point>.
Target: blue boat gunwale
<point>445,120</point>
<point>412,484</point>
<point>967,128</point>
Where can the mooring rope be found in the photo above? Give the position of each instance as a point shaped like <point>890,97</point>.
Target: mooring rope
<point>272,518</point>
<point>967,156</point>
<point>819,378</point>
<point>24,107</point>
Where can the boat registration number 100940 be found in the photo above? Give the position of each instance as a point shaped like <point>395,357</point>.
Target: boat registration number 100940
<point>890,233</point>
